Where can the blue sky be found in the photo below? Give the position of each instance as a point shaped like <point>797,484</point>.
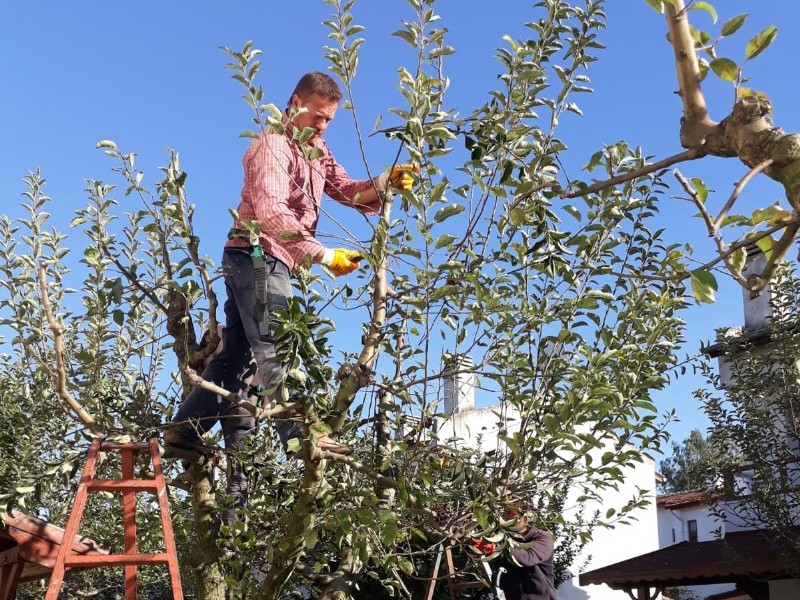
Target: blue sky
<point>150,75</point>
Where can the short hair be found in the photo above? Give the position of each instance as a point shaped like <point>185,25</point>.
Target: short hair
<point>317,82</point>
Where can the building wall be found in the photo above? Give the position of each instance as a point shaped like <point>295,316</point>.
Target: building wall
<point>609,546</point>
<point>708,526</point>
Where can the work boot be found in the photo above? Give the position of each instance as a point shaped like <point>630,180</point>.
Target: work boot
<point>174,437</point>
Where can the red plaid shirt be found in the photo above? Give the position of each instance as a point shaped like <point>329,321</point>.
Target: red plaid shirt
<point>283,191</point>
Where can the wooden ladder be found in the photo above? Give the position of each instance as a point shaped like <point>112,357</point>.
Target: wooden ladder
<point>453,585</point>
<point>128,486</point>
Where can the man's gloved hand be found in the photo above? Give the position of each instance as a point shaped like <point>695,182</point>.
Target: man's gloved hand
<point>482,546</point>
<point>341,260</point>
<point>400,177</point>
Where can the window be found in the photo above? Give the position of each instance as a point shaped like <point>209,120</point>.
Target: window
<point>673,535</point>
<point>692,530</point>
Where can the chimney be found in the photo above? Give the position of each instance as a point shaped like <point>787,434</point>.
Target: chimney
<point>459,384</point>
<point>757,311</point>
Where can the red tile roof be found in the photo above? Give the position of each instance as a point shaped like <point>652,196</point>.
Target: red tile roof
<point>687,499</point>
<point>739,554</point>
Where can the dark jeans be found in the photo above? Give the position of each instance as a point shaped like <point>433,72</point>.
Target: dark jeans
<point>249,332</point>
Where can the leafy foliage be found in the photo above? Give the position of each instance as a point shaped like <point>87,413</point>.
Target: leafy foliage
<point>570,313</point>
<point>753,410</point>
<point>690,466</point>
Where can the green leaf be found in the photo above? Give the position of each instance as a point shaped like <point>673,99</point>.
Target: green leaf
<point>445,240</point>
<point>739,258</point>
<point>656,4</point>
<point>704,284</point>
<point>760,42</point>
<point>447,212</point>
<point>517,216</point>
<point>310,537</point>
<point>659,4</point>
<point>293,445</point>
<point>725,68</point>
<point>733,24</point>
<point>700,188</point>
<point>706,7</point>
<point>774,214</point>
<point>766,244</point>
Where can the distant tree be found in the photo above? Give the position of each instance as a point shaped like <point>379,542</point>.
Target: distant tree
<point>689,467</point>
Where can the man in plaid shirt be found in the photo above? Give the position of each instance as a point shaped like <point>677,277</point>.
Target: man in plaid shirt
<point>285,175</point>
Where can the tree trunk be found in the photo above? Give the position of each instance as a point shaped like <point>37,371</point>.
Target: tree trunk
<point>205,558</point>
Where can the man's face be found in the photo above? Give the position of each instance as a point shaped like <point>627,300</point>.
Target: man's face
<point>319,112</point>
<point>509,514</point>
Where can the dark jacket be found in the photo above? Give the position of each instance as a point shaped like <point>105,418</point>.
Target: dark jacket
<point>534,579</point>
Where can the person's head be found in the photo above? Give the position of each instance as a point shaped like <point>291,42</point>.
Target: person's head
<point>319,94</point>
<point>512,513</point>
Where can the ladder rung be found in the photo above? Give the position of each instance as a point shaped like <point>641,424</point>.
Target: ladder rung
<point>470,585</point>
<point>122,485</point>
<point>79,560</point>
<point>124,446</point>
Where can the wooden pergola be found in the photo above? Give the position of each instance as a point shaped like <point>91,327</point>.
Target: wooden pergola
<point>748,559</point>
<point>28,548</point>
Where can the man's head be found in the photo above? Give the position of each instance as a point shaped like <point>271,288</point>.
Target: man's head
<point>319,94</point>
<point>512,513</point>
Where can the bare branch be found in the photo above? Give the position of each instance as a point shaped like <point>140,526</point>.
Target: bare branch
<point>360,467</point>
<point>236,399</point>
<point>61,372</point>
<point>713,232</point>
<point>691,154</point>
<point>738,190</point>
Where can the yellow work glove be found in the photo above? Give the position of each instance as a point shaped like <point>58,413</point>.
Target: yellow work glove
<point>340,260</point>
<point>399,177</point>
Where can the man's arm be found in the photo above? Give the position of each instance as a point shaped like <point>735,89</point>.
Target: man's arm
<point>361,194</point>
<point>540,550</point>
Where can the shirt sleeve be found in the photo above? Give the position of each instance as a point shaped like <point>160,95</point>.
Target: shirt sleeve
<point>540,550</point>
<point>340,187</point>
<point>267,180</point>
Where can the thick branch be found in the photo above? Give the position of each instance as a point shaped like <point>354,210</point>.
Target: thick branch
<point>61,371</point>
<point>757,283</point>
<point>696,124</point>
<point>352,378</point>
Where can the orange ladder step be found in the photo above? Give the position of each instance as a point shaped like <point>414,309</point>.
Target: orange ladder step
<point>110,560</point>
<point>128,486</point>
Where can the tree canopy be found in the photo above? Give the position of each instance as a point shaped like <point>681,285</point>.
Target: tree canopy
<point>558,286</point>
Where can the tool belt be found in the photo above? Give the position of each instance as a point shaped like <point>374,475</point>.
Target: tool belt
<point>259,261</point>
